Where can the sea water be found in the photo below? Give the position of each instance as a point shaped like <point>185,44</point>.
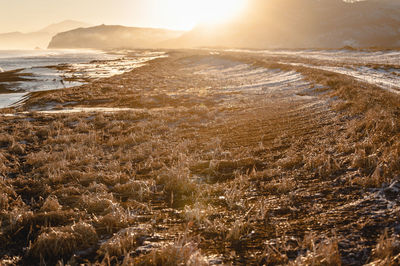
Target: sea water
<point>58,69</point>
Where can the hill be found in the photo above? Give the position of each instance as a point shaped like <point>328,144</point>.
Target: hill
<point>304,24</point>
<point>108,37</point>
<point>41,38</point>
<point>64,26</point>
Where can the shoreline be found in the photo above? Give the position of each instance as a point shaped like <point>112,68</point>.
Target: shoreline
<point>12,76</point>
<point>72,75</point>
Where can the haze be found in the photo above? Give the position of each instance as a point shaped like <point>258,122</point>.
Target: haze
<point>256,24</point>
<point>28,15</point>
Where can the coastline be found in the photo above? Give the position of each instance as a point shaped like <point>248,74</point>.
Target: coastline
<point>63,75</point>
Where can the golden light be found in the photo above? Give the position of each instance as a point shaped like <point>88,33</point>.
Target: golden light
<point>189,13</point>
<point>218,11</point>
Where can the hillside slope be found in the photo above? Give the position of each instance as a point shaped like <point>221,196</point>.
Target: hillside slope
<point>108,37</point>
<point>304,24</point>
<point>64,26</point>
<point>41,38</point>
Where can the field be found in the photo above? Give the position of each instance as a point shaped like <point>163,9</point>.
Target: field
<point>207,157</point>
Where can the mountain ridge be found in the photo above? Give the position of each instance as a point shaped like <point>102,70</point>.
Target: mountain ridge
<point>65,25</point>
<point>37,39</point>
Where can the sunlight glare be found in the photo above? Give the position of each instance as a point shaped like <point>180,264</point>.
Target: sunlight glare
<point>218,11</point>
<point>189,13</point>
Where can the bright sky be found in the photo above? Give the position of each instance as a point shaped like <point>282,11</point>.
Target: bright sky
<point>31,15</point>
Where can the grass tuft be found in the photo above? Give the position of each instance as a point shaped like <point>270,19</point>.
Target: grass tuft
<point>387,247</point>
<point>58,243</point>
<point>324,253</point>
<point>123,242</point>
<point>182,252</point>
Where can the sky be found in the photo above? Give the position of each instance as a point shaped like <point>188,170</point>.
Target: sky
<point>32,15</point>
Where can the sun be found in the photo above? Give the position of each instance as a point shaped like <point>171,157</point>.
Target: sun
<point>186,14</point>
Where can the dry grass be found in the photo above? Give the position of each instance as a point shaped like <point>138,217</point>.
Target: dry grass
<point>182,252</point>
<point>198,213</point>
<point>324,253</point>
<point>246,174</point>
<point>273,256</point>
<point>279,186</point>
<point>386,248</point>
<point>58,243</point>
<point>323,164</point>
<point>177,185</point>
<point>51,204</point>
<point>122,243</point>
<point>238,233</point>
<point>134,190</point>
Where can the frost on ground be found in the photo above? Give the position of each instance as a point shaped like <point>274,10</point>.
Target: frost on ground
<point>385,79</point>
<point>381,68</point>
<point>248,79</point>
<point>199,158</point>
<point>337,56</point>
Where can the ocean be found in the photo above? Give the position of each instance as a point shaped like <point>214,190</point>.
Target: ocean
<point>23,71</point>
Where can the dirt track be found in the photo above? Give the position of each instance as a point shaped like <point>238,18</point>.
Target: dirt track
<point>222,158</point>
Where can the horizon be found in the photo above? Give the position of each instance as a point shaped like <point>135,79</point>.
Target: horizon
<point>224,23</point>
<point>27,16</point>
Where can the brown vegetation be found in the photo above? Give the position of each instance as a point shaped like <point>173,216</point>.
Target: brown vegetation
<point>201,176</point>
